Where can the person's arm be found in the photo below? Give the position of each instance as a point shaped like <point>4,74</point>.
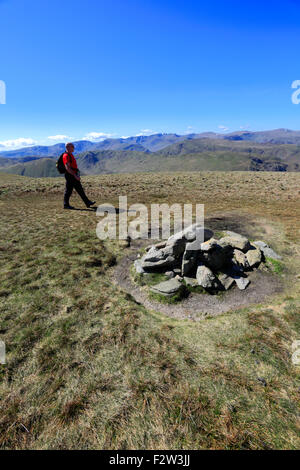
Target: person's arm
<point>71,171</point>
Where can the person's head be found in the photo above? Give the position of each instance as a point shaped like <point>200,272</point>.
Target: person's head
<point>70,147</point>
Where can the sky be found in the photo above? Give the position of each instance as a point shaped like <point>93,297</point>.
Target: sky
<point>77,69</point>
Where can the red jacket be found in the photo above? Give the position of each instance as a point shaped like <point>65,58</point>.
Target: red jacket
<point>69,158</point>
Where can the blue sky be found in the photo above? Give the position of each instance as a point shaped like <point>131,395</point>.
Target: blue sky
<point>90,68</point>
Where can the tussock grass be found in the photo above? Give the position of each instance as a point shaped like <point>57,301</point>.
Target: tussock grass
<point>89,368</point>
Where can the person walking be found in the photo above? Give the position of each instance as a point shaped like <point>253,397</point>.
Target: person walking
<point>72,176</point>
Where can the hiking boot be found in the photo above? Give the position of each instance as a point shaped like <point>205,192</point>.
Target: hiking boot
<point>90,203</point>
<point>69,207</point>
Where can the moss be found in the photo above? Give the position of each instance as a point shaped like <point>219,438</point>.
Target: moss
<point>219,234</point>
<point>195,289</point>
<point>147,279</point>
<point>181,294</point>
<point>154,278</point>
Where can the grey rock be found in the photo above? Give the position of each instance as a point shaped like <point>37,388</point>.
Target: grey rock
<point>167,288</point>
<point>191,233</point>
<point>191,281</point>
<point>260,244</point>
<point>157,246</point>
<point>138,267</point>
<point>188,265</point>
<point>158,266</point>
<point>216,259</point>
<point>193,246</point>
<point>234,269</point>
<point>226,281</point>
<point>158,260</point>
<point>242,282</point>
<point>254,256</point>
<point>235,272</point>
<point>209,245</point>
<point>190,257</point>
<point>177,242</point>
<point>267,250</point>
<point>205,277</point>
<point>176,247</point>
<point>177,271</point>
<point>185,256</point>
<point>240,259</point>
<point>170,274</point>
<point>235,241</point>
<point>154,254</point>
<point>237,268</point>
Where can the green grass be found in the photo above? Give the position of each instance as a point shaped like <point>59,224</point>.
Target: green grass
<point>89,368</point>
<point>173,299</point>
<point>148,279</point>
<point>195,289</point>
<point>276,265</point>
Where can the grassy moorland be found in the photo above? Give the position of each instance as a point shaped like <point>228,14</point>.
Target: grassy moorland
<point>89,368</point>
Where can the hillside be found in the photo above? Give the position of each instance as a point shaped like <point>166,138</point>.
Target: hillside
<point>4,162</point>
<point>133,162</point>
<point>252,156</point>
<point>37,168</point>
<point>156,142</point>
<point>276,136</point>
<point>189,154</point>
<point>90,368</point>
<point>196,155</point>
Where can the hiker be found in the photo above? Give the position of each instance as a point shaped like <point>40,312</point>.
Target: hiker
<point>72,176</point>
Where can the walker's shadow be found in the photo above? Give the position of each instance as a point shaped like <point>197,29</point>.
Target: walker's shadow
<point>92,209</point>
<point>114,210</point>
<point>109,210</point>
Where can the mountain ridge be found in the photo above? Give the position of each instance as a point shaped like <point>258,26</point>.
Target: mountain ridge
<point>156,142</point>
<point>188,155</point>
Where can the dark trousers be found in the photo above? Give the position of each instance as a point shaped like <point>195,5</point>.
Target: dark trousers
<point>72,183</point>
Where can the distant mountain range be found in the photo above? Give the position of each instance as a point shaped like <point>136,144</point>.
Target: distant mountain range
<point>275,150</point>
<point>156,142</point>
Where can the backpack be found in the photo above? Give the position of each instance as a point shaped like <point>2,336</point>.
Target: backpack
<point>60,164</point>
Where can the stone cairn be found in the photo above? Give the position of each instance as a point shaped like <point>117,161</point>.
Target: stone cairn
<point>214,264</point>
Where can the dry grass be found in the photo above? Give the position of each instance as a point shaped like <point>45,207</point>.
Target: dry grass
<point>88,368</point>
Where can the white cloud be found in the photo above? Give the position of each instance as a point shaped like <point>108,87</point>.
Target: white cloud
<point>98,136</point>
<point>58,137</point>
<point>245,128</point>
<point>223,128</point>
<point>17,143</point>
<point>189,130</point>
<point>145,132</point>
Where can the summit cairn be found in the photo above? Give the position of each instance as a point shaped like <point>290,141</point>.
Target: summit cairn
<point>193,257</point>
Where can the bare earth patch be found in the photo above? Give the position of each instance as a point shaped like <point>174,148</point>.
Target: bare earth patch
<point>199,306</point>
